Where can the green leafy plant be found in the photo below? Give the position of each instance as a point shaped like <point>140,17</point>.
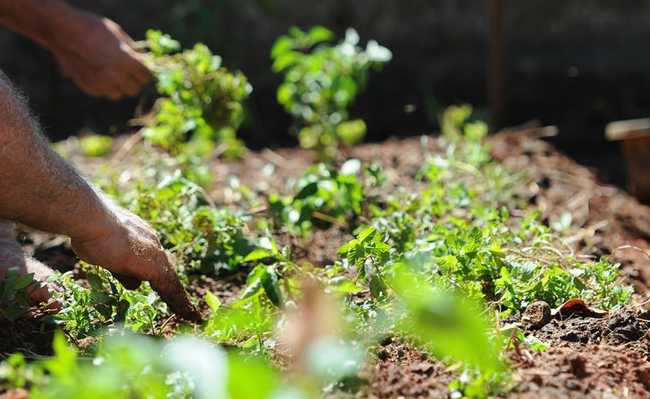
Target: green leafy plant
<point>247,323</point>
<point>203,238</point>
<point>87,310</point>
<point>457,239</point>
<point>369,254</point>
<point>450,326</point>
<point>138,367</point>
<point>321,81</point>
<point>249,320</point>
<point>325,196</point>
<point>202,103</point>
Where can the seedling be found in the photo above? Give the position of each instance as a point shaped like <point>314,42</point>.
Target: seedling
<point>325,196</point>
<point>87,311</point>
<point>321,81</point>
<point>202,101</point>
<point>201,237</point>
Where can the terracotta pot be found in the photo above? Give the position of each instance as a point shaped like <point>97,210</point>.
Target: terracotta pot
<point>634,137</point>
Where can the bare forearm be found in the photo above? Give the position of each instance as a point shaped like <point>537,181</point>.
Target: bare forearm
<point>94,52</point>
<point>53,24</point>
<point>36,19</point>
<point>38,187</point>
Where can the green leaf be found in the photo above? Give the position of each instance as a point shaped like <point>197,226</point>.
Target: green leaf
<point>272,287</point>
<point>285,93</point>
<point>254,281</point>
<point>344,249</point>
<point>319,34</point>
<point>259,254</point>
<point>242,370</point>
<point>351,167</point>
<point>307,191</point>
<point>351,132</point>
<point>281,46</point>
<point>214,303</point>
<point>285,60</point>
<point>22,281</point>
<point>366,234</point>
<point>377,53</point>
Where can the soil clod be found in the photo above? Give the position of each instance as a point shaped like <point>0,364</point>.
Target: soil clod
<point>537,315</point>
<point>577,365</point>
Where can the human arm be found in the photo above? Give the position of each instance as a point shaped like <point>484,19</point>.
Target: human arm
<point>41,190</point>
<point>93,51</point>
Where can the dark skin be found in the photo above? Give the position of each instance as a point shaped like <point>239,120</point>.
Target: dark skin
<point>42,191</point>
<point>92,51</point>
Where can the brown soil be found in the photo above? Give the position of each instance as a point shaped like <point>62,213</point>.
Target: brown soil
<point>401,370</point>
<point>587,356</point>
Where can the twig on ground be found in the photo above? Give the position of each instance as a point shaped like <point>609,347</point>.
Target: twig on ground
<point>126,147</point>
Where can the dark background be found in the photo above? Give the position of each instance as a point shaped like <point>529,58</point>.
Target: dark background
<point>574,64</point>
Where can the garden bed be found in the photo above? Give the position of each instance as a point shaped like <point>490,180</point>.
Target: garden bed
<point>586,355</point>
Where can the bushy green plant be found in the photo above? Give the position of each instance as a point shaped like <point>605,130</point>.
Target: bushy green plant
<point>457,238</point>
<point>202,101</point>
<point>460,229</point>
<point>321,81</point>
<point>451,326</point>
<point>87,310</point>
<point>325,196</point>
<point>203,238</point>
<point>464,134</point>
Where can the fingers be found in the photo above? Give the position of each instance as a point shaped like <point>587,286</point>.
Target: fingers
<point>125,77</point>
<point>131,75</point>
<point>130,85</point>
<point>132,251</point>
<point>137,69</point>
<point>130,283</point>
<point>38,293</point>
<point>172,292</point>
<point>73,68</point>
<point>116,84</point>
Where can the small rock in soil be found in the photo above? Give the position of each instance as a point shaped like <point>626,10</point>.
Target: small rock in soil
<point>537,314</point>
<point>425,368</point>
<point>537,380</point>
<point>575,336</point>
<point>577,365</point>
<point>625,326</point>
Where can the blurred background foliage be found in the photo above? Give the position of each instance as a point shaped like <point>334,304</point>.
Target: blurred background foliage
<point>576,64</point>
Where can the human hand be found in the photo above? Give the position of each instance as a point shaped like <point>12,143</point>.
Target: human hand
<point>98,56</point>
<point>13,257</point>
<point>130,249</point>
